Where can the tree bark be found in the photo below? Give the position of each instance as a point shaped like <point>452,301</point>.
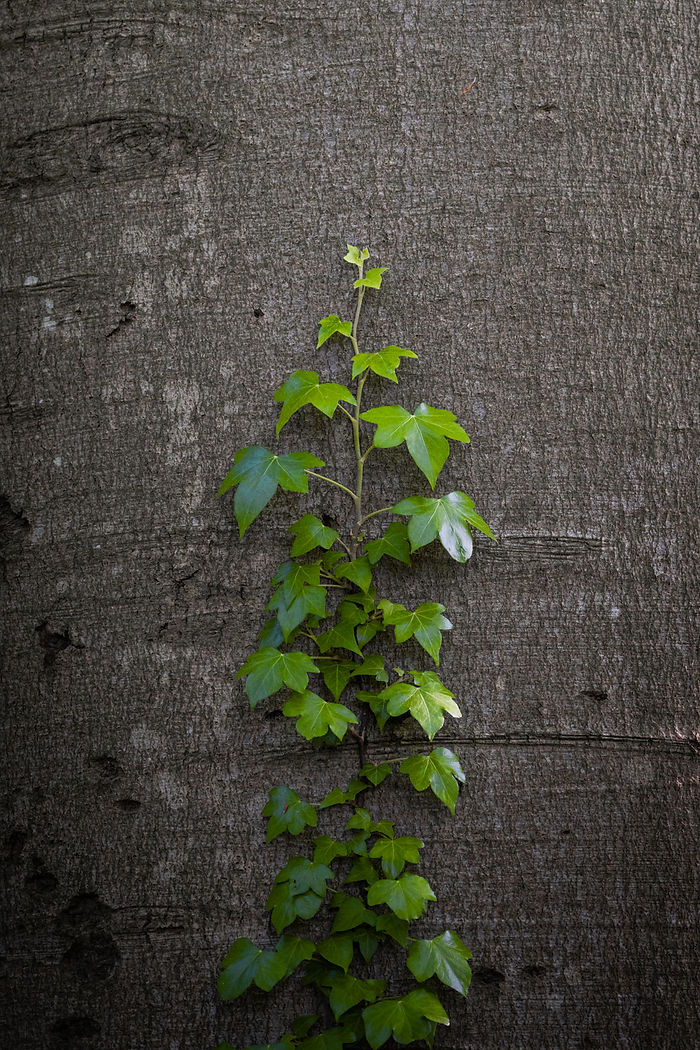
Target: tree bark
<point>178,181</point>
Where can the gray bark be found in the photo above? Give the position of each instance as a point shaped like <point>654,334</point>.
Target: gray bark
<point>178,180</point>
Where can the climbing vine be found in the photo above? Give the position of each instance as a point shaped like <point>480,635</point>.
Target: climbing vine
<point>325,618</point>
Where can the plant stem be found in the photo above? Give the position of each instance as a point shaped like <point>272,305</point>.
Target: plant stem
<point>330,481</point>
<point>383,510</point>
<point>356,421</point>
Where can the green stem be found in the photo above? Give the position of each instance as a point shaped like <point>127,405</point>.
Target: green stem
<point>322,477</point>
<point>383,510</point>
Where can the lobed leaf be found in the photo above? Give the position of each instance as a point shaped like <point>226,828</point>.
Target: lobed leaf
<point>310,532</point>
<point>445,957</point>
<point>287,812</point>
<point>426,700</point>
<point>315,716</point>
<point>268,669</point>
<point>440,771</point>
<point>303,388</point>
<point>450,517</point>
<point>383,363</point>
<point>426,623</point>
<point>355,256</point>
<point>425,432</point>
<point>396,853</point>
<point>329,326</point>
<point>406,896</point>
<point>394,542</point>
<point>409,1018</point>
<point>372,279</point>
<point>257,473</point>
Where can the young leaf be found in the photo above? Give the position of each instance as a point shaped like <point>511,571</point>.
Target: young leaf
<point>405,896</point>
<point>440,771</point>
<point>315,716</point>
<point>268,669</point>
<point>303,388</point>
<point>449,517</point>
<point>426,623</point>
<point>287,812</point>
<point>446,957</point>
<point>310,532</point>
<point>372,279</point>
<point>238,969</point>
<point>342,635</point>
<point>300,594</point>
<point>355,256</point>
<point>425,433</point>
<point>329,326</point>
<point>426,700</point>
<point>337,673</point>
<point>410,1018</point>
<point>384,363</point>
<point>396,853</point>
<point>357,571</point>
<point>338,797</point>
<point>394,542</point>
<point>257,472</point>
<point>376,774</point>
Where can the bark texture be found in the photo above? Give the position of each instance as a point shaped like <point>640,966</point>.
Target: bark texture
<point>177,182</point>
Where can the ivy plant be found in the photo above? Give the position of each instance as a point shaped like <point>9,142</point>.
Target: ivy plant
<point>320,660</point>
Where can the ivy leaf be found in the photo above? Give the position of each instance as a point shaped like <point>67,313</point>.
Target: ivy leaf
<point>288,813</point>
<point>331,1039</point>
<point>337,673</point>
<point>327,849</point>
<point>378,704</point>
<point>268,669</point>
<point>372,279</point>
<point>426,623</point>
<point>342,634</point>
<point>394,542</point>
<point>425,433</point>
<point>257,472</point>
<point>357,571</point>
<point>384,363</point>
<point>351,913</point>
<point>303,874</point>
<point>303,388</point>
<point>355,256</point>
<point>315,716</point>
<point>287,906</point>
<point>440,771</point>
<point>376,774</point>
<point>338,949</point>
<point>300,594</point>
<point>245,963</point>
<point>329,326</point>
<point>446,957</point>
<point>449,517</point>
<point>310,532</point>
<point>396,853</point>
<point>394,927</point>
<point>275,966</point>
<point>238,969</point>
<point>405,896</point>
<point>426,700</point>
<point>338,797</point>
<point>345,991</point>
<point>271,634</point>
<point>303,1025</point>
<point>362,871</point>
<point>407,1019</point>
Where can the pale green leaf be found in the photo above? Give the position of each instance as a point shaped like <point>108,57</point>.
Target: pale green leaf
<point>425,432</point>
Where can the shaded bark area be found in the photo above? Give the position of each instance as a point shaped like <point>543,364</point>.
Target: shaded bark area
<point>178,181</point>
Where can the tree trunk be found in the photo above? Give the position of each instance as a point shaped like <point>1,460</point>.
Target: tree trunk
<point>178,181</point>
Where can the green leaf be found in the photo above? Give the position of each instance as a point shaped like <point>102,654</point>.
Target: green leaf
<point>396,853</point>
<point>315,716</point>
<point>372,279</point>
<point>303,388</point>
<point>337,673</point>
<point>300,594</point>
<point>257,472</point>
<point>351,913</point>
<point>394,927</point>
<point>310,532</point>
<point>376,774</point>
<point>446,957</point>
<point>378,705</point>
<point>425,433</point>
<point>426,623</point>
<point>342,634</point>
<point>449,517</point>
<point>338,949</point>
<point>268,669</point>
<point>245,963</point>
<point>303,874</point>
<point>238,969</point>
<point>440,771</point>
<point>384,363</point>
<point>329,326</point>
<point>407,1019</point>
<point>338,797</point>
<point>357,571</point>
<point>426,700</point>
<point>345,991</point>
<point>327,849</point>
<point>303,1025</point>
<point>275,966</point>
<point>288,813</point>
<point>394,542</point>
<point>405,896</point>
<point>287,906</point>
<point>362,871</point>
<point>355,256</point>
<point>331,1039</point>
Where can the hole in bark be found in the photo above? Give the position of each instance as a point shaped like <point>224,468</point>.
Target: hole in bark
<point>92,956</point>
<point>599,695</point>
<point>257,312</point>
<point>40,880</point>
<point>86,909</point>
<point>14,844</point>
<point>13,526</point>
<point>535,971</point>
<point>487,975</point>
<point>128,310</point>
<point>67,1029</point>
<point>53,642</point>
<point>129,805</point>
<point>108,766</point>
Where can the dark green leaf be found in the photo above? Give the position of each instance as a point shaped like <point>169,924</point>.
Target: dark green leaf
<point>315,716</point>
<point>303,1025</point>
<point>376,774</point>
<point>310,532</point>
<point>303,388</point>
<point>351,913</point>
<point>446,957</point>
<point>327,849</point>
<point>257,472</point>
<point>268,670</point>
<point>394,542</point>
<point>300,594</point>
<point>303,874</point>
<point>329,326</point>
<point>372,279</point>
<point>410,1018</point>
<point>286,906</point>
<point>357,571</point>
<point>345,991</point>
<point>426,622</point>
<point>275,966</point>
<point>425,433</point>
<point>405,896</point>
<point>238,969</point>
<point>449,517</point>
<point>396,853</point>
<point>384,363</point>
<point>338,950</point>
<point>362,871</point>
<point>394,927</point>
<point>440,771</point>
<point>287,812</point>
